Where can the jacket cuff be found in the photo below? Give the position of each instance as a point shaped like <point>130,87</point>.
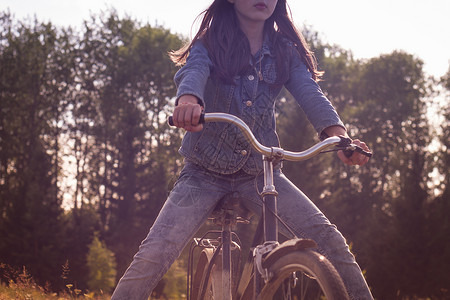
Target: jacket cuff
<point>199,99</point>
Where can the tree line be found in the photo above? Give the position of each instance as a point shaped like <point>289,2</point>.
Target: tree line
<point>86,154</point>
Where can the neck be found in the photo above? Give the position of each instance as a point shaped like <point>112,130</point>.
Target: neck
<point>254,33</point>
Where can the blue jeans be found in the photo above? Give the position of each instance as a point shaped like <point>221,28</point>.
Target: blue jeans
<point>192,200</point>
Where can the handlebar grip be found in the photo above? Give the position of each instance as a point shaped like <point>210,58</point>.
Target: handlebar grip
<point>201,120</point>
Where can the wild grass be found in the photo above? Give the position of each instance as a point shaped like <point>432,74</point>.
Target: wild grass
<point>20,285</point>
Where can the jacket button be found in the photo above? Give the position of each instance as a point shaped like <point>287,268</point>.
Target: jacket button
<point>251,77</point>
<point>248,103</point>
<point>244,152</point>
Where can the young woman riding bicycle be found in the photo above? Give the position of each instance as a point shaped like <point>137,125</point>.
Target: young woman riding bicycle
<point>243,54</point>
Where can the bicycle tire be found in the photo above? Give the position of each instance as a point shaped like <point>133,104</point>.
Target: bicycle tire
<point>203,285</point>
<point>326,282</point>
<point>207,280</point>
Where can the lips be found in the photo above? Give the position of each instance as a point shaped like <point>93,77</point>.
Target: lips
<point>260,5</point>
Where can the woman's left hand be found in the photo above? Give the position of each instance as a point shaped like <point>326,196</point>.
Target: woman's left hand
<point>356,158</point>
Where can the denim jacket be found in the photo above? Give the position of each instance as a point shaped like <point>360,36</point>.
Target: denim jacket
<point>220,147</point>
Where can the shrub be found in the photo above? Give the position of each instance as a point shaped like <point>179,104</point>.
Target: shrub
<point>101,264</point>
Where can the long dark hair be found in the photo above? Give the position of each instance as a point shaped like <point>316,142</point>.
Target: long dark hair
<point>229,49</point>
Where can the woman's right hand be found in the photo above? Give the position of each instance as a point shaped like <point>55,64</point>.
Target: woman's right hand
<point>187,114</point>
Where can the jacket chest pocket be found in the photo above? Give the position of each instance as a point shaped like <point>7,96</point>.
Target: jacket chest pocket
<point>269,72</point>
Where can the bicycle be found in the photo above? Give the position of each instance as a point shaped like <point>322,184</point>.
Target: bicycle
<point>290,270</point>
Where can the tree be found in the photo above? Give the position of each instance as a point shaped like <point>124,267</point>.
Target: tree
<point>100,101</point>
<point>383,209</point>
<point>33,80</point>
<point>125,154</point>
<point>439,206</point>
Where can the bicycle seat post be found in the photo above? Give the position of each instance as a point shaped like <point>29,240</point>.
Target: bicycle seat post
<point>228,215</point>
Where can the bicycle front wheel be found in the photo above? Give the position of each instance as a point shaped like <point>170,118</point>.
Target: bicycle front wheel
<point>303,274</point>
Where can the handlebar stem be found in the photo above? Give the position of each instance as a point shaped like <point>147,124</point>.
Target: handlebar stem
<point>269,195</point>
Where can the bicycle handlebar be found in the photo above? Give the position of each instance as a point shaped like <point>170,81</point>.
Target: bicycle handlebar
<point>333,143</point>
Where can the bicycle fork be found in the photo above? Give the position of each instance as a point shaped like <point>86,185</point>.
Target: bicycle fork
<point>226,259</point>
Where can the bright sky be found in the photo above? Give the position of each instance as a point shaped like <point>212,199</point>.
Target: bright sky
<point>367,28</point>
